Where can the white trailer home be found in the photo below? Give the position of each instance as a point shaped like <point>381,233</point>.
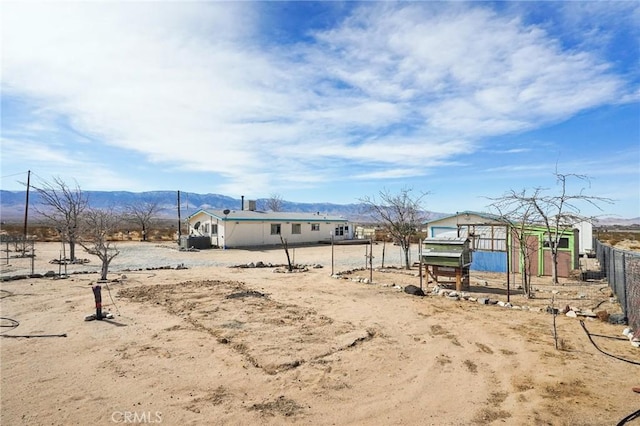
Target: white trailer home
<point>250,228</point>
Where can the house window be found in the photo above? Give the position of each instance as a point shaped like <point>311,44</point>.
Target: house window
<point>315,226</point>
<point>342,230</point>
<point>214,229</point>
<point>275,229</point>
<point>296,228</point>
<point>206,228</point>
<point>563,243</point>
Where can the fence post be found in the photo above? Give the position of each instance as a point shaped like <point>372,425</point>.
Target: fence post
<point>624,288</point>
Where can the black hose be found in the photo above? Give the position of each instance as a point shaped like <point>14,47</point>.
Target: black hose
<point>29,336</point>
<point>630,417</point>
<point>608,354</point>
<point>12,323</point>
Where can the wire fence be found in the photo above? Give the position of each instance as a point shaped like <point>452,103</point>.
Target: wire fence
<point>622,269</point>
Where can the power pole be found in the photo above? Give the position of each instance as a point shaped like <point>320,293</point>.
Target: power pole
<point>26,210</point>
<point>179,219</point>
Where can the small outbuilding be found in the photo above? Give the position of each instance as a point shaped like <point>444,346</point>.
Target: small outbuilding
<point>250,228</point>
<point>486,233</point>
<point>489,240</point>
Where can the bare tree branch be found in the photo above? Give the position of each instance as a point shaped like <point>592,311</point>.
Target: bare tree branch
<point>97,227</point>
<point>275,203</point>
<point>143,214</point>
<point>400,214</point>
<point>556,211</point>
<point>63,206</point>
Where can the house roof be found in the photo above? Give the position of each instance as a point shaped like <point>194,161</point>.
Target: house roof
<point>488,216</point>
<point>254,215</point>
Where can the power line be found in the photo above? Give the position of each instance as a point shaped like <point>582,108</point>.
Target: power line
<point>15,174</point>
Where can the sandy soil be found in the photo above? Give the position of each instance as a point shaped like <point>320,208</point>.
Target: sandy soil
<point>213,344</point>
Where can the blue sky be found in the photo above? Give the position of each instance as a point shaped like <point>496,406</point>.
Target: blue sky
<point>325,101</point>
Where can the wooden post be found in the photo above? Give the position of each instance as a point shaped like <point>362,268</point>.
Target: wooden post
<point>332,259</point>
<point>420,256</point>
<point>371,261</point>
<point>97,294</point>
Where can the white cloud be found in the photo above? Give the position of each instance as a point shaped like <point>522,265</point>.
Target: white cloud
<point>400,87</point>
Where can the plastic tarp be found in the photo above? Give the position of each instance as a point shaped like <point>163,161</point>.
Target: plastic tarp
<point>489,261</point>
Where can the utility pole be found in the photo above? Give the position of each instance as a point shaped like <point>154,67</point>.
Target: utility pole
<point>179,219</point>
<point>26,213</point>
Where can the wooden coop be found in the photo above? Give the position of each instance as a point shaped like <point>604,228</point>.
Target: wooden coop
<point>448,257</point>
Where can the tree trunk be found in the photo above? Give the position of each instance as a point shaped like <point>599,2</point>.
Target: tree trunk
<point>104,270</point>
<point>406,257</point>
<point>72,250</point>
<point>554,266</point>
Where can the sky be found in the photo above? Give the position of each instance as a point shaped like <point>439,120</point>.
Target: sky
<point>325,101</point>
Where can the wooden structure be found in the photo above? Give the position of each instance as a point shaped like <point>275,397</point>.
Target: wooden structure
<point>448,257</point>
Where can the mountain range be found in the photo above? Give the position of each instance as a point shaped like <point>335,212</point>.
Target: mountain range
<point>12,205</point>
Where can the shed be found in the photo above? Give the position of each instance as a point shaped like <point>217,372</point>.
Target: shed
<point>487,237</point>
<point>540,260</point>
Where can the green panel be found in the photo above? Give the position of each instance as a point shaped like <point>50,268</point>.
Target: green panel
<point>441,261</point>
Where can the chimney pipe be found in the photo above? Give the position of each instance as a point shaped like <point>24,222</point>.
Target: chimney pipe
<point>242,206</point>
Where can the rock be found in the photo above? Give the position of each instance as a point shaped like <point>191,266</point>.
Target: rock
<point>572,314</point>
<point>483,301</point>
<point>617,319</point>
<point>551,310</point>
<point>501,303</point>
<point>413,290</point>
<point>259,264</point>
<point>318,266</point>
<point>443,292</point>
<point>602,315</point>
<point>472,299</point>
<point>50,274</point>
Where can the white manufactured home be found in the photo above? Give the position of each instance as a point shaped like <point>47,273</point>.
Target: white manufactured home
<point>250,228</point>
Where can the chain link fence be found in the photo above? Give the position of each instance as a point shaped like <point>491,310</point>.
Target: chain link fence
<point>622,269</point>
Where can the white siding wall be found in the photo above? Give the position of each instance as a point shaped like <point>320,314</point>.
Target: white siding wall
<point>256,233</point>
<point>585,236</point>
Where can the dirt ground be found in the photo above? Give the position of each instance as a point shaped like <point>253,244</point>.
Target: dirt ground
<point>216,344</point>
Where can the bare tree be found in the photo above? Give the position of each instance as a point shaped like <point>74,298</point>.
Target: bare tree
<point>517,217</point>
<point>401,215</point>
<point>63,206</point>
<point>143,214</point>
<point>275,203</point>
<point>556,212</point>
<point>97,226</point>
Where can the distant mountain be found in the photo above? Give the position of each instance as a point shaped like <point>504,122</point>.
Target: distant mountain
<point>610,221</point>
<point>12,204</point>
